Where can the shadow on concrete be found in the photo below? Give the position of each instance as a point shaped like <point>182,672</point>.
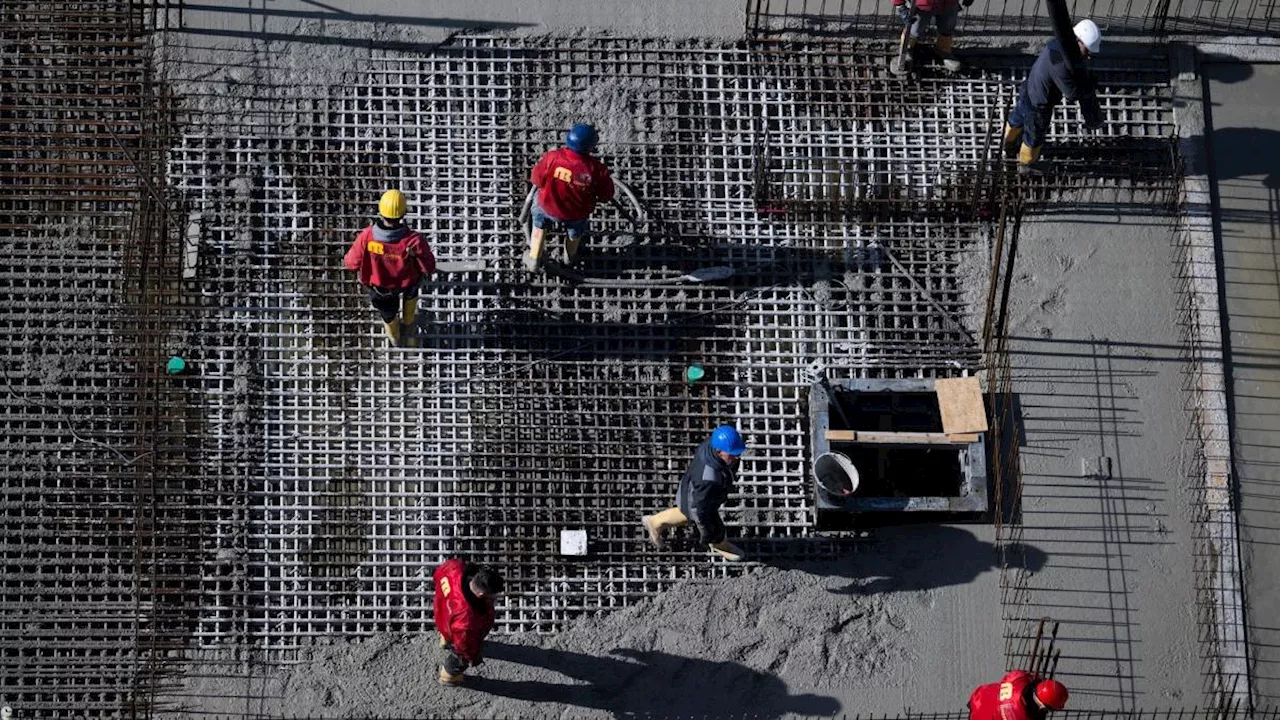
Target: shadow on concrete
<point>639,683</point>
<point>921,557</point>
<point>251,14</point>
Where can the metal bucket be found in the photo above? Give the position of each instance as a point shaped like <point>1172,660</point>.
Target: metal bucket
<point>836,476</point>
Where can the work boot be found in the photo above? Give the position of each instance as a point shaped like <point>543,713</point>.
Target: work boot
<point>533,260</point>
<point>943,48</point>
<point>1012,136</point>
<point>727,550</point>
<point>393,331</point>
<point>447,678</point>
<point>655,534</point>
<point>1029,161</point>
<point>571,250</point>
<point>408,311</point>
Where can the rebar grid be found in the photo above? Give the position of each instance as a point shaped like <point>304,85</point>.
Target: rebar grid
<point>306,482</point>
<point>843,18</point>
<point>89,602</point>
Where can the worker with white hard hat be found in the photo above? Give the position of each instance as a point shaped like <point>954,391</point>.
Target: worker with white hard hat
<point>1051,80</point>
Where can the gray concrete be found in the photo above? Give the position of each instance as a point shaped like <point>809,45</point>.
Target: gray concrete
<point>1245,147</point>
<point>1098,373</point>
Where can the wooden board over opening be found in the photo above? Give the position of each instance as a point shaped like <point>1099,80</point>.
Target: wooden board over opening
<point>960,401</point>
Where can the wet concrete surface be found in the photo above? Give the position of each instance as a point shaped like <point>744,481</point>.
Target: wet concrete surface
<point>1245,148</point>
<point>1097,374</point>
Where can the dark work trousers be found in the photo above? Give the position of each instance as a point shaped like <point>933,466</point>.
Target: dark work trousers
<point>387,302</point>
<point>1034,121</point>
<point>453,664</point>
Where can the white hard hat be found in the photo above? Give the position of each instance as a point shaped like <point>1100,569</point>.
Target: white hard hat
<point>1088,33</point>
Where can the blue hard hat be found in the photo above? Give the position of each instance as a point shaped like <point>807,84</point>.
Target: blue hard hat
<point>582,138</point>
<point>727,439</point>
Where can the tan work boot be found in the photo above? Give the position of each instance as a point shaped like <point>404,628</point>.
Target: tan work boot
<point>533,259</point>
<point>943,49</point>
<point>571,250</point>
<point>727,550</point>
<point>393,331</point>
<point>1029,161</point>
<point>1012,136</point>
<point>408,311</point>
<point>655,533</point>
<point>446,678</point>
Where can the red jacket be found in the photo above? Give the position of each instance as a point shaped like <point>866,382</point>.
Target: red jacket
<point>570,184</point>
<point>1008,699</point>
<point>463,620</point>
<point>390,259</point>
<point>931,6</point>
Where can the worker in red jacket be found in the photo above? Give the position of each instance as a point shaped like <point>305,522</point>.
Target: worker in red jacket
<point>916,16</point>
<point>463,614</point>
<point>391,260</point>
<point>568,183</point>
<point>1018,696</point>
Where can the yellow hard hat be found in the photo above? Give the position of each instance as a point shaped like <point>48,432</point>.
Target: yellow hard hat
<point>392,206</point>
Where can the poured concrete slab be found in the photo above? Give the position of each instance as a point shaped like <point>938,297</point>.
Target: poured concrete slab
<point>1098,382</point>
<point>1245,145</point>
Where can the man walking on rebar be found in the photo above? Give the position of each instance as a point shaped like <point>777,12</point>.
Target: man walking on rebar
<point>568,183</point>
<point>1053,78</point>
<point>703,489</point>
<point>391,260</point>
<point>1018,696</point>
<point>464,615</point>
<point>916,16</point>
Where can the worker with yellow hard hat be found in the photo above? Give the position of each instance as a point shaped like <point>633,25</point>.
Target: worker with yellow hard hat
<point>391,260</point>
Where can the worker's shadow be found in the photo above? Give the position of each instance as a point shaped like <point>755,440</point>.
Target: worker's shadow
<point>905,559</point>
<point>644,683</point>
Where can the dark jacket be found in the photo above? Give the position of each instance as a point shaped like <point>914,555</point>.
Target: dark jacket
<point>703,489</point>
<point>1051,81</point>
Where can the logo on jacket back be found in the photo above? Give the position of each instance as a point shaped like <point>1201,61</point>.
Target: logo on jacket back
<point>445,587</point>
<point>378,248</point>
<point>564,174</point>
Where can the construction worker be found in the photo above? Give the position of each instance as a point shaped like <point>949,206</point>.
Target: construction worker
<point>703,489</point>
<point>1018,696</point>
<point>391,260</point>
<point>915,16</point>
<point>463,615</point>
<point>1050,81</point>
<point>568,183</point>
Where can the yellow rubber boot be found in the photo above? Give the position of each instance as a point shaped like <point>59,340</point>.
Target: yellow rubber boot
<point>446,678</point>
<point>571,249</point>
<point>656,523</point>
<point>533,260</point>
<point>393,331</point>
<point>408,311</point>
<point>1011,137</point>
<point>1028,159</point>
<point>727,550</point>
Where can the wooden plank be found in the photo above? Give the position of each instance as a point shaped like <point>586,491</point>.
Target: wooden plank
<point>892,438</point>
<point>963,437</point>
<point>960,400</point>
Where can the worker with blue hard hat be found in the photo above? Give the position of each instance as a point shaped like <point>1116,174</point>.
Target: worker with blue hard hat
<point>703,489</point>
<point>568,182</point>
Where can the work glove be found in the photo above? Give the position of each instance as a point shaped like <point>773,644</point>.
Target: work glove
<point>904,14</point>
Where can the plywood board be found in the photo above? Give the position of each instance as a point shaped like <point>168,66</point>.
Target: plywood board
<point>960,400</point>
